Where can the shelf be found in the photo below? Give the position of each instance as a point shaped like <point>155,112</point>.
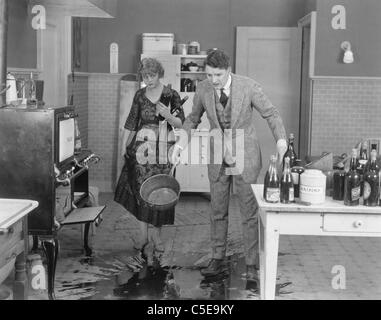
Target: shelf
<point>197,72</point>
<point>193,56</point>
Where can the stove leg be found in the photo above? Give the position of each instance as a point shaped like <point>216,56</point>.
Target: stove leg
<point>51,247</point>
<point>35,244</point>
<point>88,250</point>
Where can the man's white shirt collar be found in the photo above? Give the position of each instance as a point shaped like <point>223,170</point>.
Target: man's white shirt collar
<point>226,87</point>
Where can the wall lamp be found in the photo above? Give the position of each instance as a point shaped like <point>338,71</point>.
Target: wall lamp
<point>348,54</point>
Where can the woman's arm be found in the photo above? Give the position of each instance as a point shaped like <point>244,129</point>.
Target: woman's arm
<point>172,120</point>
<point>127,136</point>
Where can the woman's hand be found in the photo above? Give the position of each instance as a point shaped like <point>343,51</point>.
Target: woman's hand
<point>163,110</point>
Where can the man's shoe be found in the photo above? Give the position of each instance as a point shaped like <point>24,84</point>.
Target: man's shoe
<point>215,267</point>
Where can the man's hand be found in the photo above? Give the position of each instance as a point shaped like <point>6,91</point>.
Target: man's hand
<point>281,147</point>
<point>175,157</point>
<point>163,110</point>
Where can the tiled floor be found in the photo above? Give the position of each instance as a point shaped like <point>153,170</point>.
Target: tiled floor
<point>306,265</point>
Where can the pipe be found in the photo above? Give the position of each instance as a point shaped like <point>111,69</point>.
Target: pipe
<point>3,49</point>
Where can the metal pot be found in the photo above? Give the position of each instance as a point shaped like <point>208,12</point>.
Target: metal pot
<point>161,191</point>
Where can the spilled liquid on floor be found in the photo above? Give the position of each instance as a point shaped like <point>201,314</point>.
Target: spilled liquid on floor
<point>108,278</point>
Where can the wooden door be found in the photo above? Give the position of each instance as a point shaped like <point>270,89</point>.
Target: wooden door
<point>271,56</point>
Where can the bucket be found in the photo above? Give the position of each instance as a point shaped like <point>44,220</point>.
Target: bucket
<point>312,186</point>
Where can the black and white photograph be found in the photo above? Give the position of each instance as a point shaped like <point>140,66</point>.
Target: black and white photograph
<point>194,155</point>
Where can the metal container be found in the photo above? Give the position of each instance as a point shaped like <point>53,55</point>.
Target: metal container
<point>161,191</point>
<point>182,49</point>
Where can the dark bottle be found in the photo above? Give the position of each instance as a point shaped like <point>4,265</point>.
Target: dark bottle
<point>338,185</point>
<point>362,164</point>
<point>296,171</point>
<point>287,184</point>
<point>271,183</point>
<point>352,183</point>
<point>371,182</point>
<point>290,151</point>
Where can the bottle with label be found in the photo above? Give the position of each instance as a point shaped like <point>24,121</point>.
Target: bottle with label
<point>362,164</point>
<point>287,184</point>
<point>371,182</point>
<point>296,171</point>
<point>352,184</point>
<point>290,151</point>
<point>271,184</point>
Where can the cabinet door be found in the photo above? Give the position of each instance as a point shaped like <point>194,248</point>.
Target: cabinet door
<point>171,65</point>
<point>198,178</point>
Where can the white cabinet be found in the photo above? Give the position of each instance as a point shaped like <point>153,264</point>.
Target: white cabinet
<point>193,173</point>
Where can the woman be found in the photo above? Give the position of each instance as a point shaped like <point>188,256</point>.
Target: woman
<point>147,150</point>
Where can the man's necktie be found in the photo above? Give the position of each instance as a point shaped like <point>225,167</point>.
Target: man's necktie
<point>223,98</point>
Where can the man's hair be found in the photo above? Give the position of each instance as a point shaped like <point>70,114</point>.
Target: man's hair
<point>218,59</point>
<point>150,66</point>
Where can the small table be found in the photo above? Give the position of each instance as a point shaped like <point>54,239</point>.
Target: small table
<point>14,240</point>
<point>331,218</point>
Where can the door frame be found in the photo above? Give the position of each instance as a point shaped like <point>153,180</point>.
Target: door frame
<point>308,21</point>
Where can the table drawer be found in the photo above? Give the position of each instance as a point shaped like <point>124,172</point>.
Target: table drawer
<point>355,223</point>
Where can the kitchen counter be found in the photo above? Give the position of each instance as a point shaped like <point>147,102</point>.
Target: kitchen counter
<point>14,242</point>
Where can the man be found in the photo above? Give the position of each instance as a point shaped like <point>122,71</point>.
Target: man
<point>229,101</point>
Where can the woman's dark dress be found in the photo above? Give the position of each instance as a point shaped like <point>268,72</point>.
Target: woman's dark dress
<point>143,116</point>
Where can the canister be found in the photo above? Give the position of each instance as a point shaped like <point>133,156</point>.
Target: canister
<point>312,186</point>
<point>182,48</point>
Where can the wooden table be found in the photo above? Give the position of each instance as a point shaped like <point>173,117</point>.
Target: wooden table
<point>14,241</point>
<point>332,218</point>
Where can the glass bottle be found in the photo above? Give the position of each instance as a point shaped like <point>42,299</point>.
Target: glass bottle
<point>338,185</point>
<point>287,184</point>
<point>352,183</point>
<point>362,164</point>
<point>271,183</point>
<point>371,182</point>
<point>296,171</point>
<point>290,151</point>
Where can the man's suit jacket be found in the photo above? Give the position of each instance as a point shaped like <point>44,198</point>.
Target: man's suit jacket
<point>246,95</point>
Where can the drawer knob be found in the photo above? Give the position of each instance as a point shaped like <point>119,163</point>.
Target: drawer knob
<point>358,224</point>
